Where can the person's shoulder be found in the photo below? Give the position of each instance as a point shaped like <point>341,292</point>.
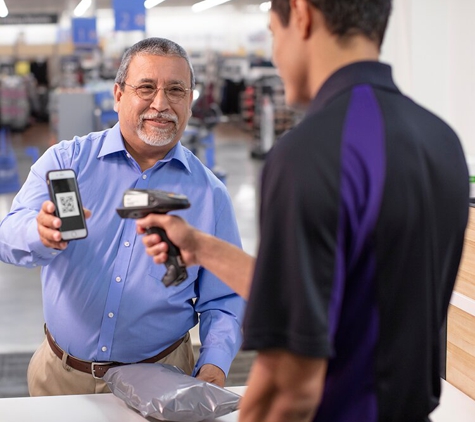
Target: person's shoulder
<point>316,131</point>
<point>77,143</point>
<point>199,171</point>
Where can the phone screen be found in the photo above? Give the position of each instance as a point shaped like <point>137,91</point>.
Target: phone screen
<point>65,195</point>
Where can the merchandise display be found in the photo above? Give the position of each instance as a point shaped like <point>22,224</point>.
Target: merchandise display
<point>14,101</point>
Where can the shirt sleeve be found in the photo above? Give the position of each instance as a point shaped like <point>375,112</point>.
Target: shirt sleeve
<point>296,264</point>
<point>19,239</point>
<point>221,310</point>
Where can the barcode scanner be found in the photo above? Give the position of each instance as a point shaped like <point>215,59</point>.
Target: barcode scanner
<point>138,203</point>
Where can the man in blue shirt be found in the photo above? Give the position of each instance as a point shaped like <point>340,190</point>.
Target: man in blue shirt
<point>103,297</point>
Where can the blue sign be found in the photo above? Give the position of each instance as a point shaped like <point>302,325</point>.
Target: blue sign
<point>129,15</point>
<point>84,32</point>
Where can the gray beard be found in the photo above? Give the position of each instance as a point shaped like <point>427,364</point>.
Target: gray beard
<point>157,137</point>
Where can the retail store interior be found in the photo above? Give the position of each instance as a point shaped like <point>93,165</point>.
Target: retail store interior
<point>55,85</point>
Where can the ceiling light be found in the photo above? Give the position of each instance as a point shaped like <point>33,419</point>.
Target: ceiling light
<point>3,9</point>
<point>206,4</point>
<point>152,3</point>
<point>82,7</point>
<point>265,7</point>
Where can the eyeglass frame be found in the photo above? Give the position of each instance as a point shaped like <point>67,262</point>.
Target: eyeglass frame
<point>135,87</point>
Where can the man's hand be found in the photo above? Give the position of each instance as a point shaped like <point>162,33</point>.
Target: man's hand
<point>211,373</point>
<point>180,233</point>
<point>49,224</point>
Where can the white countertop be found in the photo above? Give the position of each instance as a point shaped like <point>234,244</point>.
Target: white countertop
<point>80,408</point>
<point>455,406</point>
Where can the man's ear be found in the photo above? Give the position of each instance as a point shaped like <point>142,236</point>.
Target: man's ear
<point>300,11</point>
<point>117,94</point>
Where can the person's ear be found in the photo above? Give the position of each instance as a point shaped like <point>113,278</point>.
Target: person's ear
<point>302,14</point>
<point>117,94</point>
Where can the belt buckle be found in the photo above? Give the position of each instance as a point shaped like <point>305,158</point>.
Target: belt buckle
<point>93,368</point>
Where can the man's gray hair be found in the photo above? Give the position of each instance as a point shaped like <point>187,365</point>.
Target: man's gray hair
<point>155,47</point>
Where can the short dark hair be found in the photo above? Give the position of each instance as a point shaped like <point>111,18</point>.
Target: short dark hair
<point>345,18</point>
<point>155,47</point>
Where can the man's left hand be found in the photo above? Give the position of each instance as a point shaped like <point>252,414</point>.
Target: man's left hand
<point>211,373</point>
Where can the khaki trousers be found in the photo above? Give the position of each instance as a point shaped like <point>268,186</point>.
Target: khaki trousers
<point>50,376</point>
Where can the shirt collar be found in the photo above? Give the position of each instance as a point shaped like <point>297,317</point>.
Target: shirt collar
<point>366,72</point>
<point>177,153</point>
<point>113,143</point>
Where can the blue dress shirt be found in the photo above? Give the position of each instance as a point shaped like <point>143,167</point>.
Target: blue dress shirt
<point>103,298</point>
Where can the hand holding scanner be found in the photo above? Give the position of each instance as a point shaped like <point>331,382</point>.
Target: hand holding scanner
<point>138,203</point>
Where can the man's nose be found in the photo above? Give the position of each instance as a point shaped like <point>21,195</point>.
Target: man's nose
<point>160,102</point>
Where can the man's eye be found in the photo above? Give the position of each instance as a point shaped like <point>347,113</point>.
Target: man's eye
<point>145,89</point>
<point>176,89</point>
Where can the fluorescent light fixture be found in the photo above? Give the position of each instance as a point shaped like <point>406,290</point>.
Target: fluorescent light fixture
<point>3,9</point>
<point>82,7</point>
<point>206,4</point>
<point>152,3</point>
<point>265,7</point>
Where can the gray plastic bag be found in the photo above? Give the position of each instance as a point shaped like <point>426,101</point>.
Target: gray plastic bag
<point>166,393</point>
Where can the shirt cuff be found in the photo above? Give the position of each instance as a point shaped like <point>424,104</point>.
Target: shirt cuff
<point>39,251</point>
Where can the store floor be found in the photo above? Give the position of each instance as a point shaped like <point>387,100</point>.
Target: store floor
<point>21,316</point>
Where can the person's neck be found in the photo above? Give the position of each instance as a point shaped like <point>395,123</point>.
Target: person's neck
<point>147,155</point>
<point>337,54</point>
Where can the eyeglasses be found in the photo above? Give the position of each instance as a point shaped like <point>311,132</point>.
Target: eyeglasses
<point>147,92</point>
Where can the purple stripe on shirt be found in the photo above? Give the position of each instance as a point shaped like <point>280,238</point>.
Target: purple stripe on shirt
<point>350,390</point>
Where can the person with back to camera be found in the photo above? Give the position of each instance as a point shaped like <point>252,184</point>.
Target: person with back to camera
<point>363,213</point>
<point>103,296</point>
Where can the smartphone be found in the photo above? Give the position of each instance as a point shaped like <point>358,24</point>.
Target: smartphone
<point>64,193</point>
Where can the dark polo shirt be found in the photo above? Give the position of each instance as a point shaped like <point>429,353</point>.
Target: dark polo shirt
<point>364,207</point>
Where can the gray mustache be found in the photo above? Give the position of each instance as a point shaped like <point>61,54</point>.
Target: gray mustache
<point>164,116</point>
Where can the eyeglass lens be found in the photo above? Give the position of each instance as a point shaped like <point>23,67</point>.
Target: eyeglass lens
<point>173,93</point>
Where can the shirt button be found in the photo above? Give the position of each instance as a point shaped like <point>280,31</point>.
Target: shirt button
<point>111,314</point>
<point>118,279</point>
<point>126,244</point>
<point>128,155</point>
<point>144,176</point>
<point>54,253</point>
<point>104,349</point>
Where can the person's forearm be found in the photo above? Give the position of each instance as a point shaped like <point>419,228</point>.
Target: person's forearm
<point>283,387</point>
<point>227,262</point>
<point>19,241</point>
<point>285,408</point>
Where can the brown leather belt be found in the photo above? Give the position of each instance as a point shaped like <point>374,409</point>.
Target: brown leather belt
<point>98,369</point>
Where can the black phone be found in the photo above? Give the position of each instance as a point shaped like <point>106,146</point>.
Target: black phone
<point>64,192</point>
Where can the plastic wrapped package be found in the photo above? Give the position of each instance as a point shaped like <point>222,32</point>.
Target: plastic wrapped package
<point>166,393</point>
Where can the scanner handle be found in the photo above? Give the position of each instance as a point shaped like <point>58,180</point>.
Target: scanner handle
<point>176,268</point>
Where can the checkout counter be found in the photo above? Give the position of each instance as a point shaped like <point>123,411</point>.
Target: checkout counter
<point>81,408</point>
<point>455,406</point>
